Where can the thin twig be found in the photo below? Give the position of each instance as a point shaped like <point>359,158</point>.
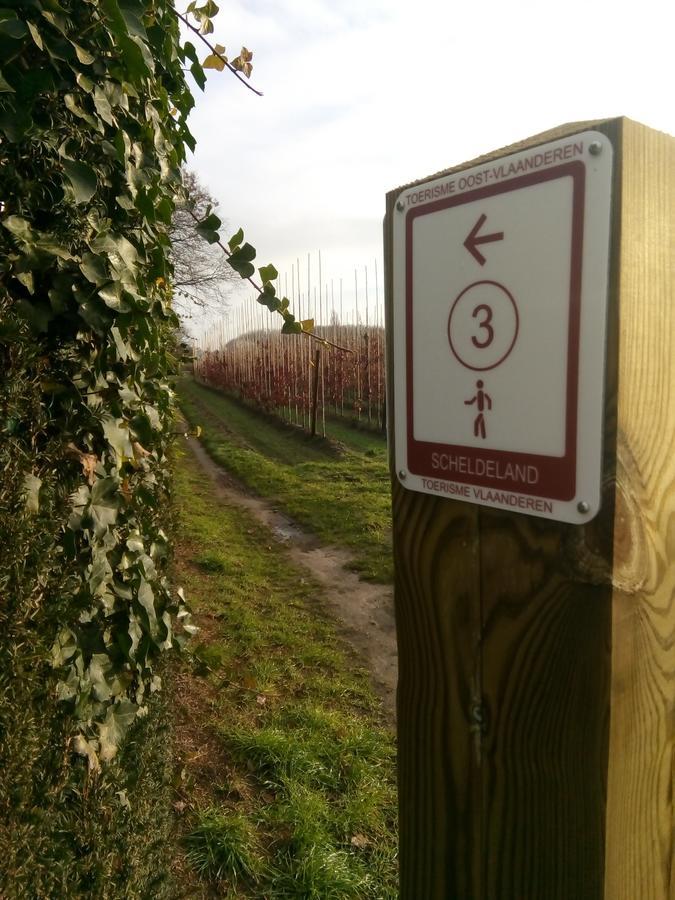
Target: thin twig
<point>220,56</point>
<point>316,337</point>
<point>198,300</point>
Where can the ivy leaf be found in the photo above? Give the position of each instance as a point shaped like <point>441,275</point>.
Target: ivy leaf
<point>111,294</point>
<point>236,240</point>
<point>208,228</point>
<point>268,273</point>
<point>242,63</point>
<point>64,647</point>
<point>82,746</point>
<point>38,314</point>
<point>214,62</point>
<point>240,260</point>
<point>52,248</point>
<point>31,487</point>
<point>83,55</point>
<point>188,51</point>
<point>93,268</point>
<point>76,109</point>
<point>82,178</point>
<point>132,13</point>
<point>146,598</point>
<point>204,14</point>
<point>68,689</point>
<point>118,438</point>
<point>11,26</point>
<point>20,228</point>
<point>135,635</point>
<point>123,350</point>
<point>103,516</point>
<point>27,280</point>
<point>135,543</point>
<point>290,326</point>
<point>5,86</point>
<point>35,34</point>
<point>111,732</point>
<point>269,299</point>
<point>52,15</point>
<point>85,83</point>
<point>307,324</point>
<point>103,107</point>
<point>99,668</point>
<point>198,74</point>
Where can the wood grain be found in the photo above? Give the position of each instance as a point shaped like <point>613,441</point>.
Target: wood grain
<point>536,701</point>
<point>438,625</point>
<point>640,859</point>
<point>546,665</point>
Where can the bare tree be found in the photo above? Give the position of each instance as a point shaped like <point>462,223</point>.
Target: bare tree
<point>202,277</point>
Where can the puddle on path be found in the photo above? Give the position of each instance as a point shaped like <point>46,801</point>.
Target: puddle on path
<point>364,611</point>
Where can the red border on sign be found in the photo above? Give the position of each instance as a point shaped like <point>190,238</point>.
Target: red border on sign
<point>557,474</point>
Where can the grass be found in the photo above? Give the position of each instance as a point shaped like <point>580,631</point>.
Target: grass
<point>340,492</point>
<point>221,846</point>
<point>296,795</point>
<point>64,833</point>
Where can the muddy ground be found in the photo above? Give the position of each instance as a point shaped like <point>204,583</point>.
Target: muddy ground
<point>364,611</point>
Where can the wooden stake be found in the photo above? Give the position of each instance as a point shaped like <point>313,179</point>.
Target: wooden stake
<point>315,391</point>
<point>536,698</point>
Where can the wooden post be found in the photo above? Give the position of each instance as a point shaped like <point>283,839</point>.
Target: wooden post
<point>536,698</point>
<point>315,392</point>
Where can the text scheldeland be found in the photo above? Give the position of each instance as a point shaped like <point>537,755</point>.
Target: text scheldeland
<point>490,468</point>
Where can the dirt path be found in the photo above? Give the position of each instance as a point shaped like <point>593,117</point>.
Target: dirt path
<point>365,612</point>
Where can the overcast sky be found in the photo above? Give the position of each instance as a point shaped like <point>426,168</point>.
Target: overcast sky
<point>361,97</point>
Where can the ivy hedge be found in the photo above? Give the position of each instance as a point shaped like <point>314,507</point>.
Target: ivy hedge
<point>93,132</point>
<point>93,108</point>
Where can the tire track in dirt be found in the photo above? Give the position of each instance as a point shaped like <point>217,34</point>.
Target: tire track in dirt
<point>363,611</point>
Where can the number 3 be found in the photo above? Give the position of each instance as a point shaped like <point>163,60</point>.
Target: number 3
<point>485,323</point>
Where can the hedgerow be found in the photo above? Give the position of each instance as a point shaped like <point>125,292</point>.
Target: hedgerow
<point>93,133</point>
<point>93,107</point>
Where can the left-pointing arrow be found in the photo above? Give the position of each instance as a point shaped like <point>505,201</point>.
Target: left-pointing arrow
<point>472,239</point>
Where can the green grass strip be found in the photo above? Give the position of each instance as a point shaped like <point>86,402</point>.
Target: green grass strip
<point>305,803</point>
<point>343,496</point>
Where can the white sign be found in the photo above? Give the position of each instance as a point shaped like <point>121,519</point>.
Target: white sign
<point>500,306</point>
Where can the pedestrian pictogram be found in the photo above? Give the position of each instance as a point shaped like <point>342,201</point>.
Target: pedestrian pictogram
<point>482,400</point>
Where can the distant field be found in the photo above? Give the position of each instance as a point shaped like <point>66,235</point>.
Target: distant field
<point>339,490</point>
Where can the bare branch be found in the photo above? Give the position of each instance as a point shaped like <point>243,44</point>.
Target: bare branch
<point>201,275</point>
